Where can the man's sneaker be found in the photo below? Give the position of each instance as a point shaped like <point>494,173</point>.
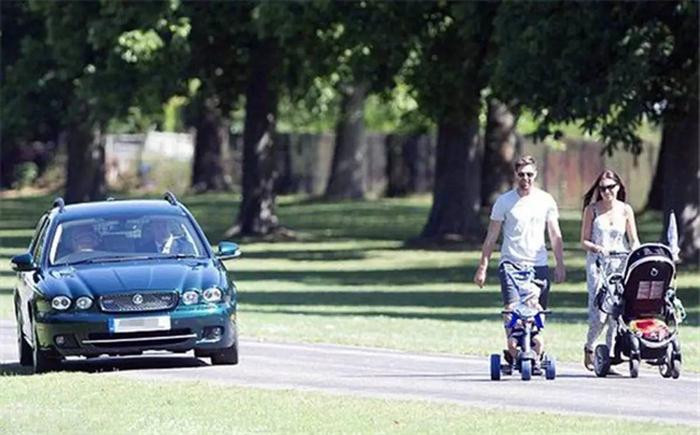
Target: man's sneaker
<point>507,369</point>
<point>536,369</point>
<point>508,357</point>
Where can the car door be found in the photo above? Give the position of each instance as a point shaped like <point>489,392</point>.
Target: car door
<point>27,281</point>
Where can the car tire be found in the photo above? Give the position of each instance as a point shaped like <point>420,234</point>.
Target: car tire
<point>24,348</point>
<point>41,360</point>
<point>226,356</point>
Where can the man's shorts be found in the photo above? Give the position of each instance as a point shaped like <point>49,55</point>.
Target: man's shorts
<point>509,292</point>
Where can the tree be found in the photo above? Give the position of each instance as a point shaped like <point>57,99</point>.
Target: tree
<point>26,78</point>
<point>91,61</point>
<point>608,66</point>
<point>502,145</point>
<point>218,56</point>
<point>364,58</point>
<point>274,28</point>
<point>448,71</point>
<point>257,216</point>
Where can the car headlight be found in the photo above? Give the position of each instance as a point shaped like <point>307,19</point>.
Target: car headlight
<point>60,303</point>
<point>83,303</point>
<point>190,297</point>
<point>212,294</point>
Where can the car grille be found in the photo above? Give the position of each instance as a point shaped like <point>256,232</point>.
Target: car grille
<point>144,339</point>
<point>132,303</point>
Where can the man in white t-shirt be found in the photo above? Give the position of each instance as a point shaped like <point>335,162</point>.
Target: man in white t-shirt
<point>523,212</point>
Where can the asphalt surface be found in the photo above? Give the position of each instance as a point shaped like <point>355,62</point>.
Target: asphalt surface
<point>391,374</point>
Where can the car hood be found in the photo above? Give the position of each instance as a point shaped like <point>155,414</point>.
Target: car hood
<point>103,279</point>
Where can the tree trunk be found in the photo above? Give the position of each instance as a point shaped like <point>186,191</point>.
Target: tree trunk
<point>212,136</point>
<point>85,168</point>
<point>655,200</point>
<point>397,172</point>
<point>348,179</point>
<point>457,189</point>
<point>680,137</point>
<point>256,216</point>
<point>409,164</point>
<point>501,146</point>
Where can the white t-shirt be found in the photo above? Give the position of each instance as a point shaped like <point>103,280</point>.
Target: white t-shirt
<point>524,221</point>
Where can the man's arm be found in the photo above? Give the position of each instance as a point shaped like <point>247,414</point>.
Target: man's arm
<point>558,247</point>
<point>486,250</point>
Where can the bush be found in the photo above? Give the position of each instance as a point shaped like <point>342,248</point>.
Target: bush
<point>25,175</point>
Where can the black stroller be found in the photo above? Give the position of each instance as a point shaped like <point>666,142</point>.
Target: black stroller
<point>643,301</point>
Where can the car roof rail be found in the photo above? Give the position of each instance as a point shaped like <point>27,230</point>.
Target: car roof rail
<point>58,202</point>
<point>170,197</point>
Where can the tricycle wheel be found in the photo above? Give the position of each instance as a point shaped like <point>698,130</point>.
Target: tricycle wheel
<point>495,367</point>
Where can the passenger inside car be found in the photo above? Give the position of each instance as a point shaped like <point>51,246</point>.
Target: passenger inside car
<point>159,237</point>
<point>84,238</point>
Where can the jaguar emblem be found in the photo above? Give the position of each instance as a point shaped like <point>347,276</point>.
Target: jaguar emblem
<point>137,299</point>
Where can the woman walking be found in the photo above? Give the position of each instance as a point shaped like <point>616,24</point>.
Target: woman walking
<point>607,219</point>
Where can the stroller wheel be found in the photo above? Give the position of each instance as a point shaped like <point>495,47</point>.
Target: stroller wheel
<point>495,367</point>
<point>666,367</point>
<point>634,367</point>
<point>676,368</point>
<point>601,360</point>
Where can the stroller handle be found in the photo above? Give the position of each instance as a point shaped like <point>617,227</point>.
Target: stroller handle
<point>615,254</point>
<point>539,312</point>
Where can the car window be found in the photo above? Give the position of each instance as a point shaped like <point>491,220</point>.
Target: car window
<point>108,239</point>
<point>39,238</point>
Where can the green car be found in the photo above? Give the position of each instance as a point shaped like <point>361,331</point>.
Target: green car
<point>120,278</point>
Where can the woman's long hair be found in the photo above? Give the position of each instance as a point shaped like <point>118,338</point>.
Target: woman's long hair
<point>588,198</point>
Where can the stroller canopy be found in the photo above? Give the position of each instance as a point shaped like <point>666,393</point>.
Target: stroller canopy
<point>648,274</point>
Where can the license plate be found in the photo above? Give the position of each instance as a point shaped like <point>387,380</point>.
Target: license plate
<point>138,324</point>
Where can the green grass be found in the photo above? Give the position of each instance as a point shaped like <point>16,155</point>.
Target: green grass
<point>350,279</point>
<point>77,403</point>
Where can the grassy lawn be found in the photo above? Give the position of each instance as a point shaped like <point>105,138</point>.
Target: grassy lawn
<point>76,403</point>
<point>350,279</point>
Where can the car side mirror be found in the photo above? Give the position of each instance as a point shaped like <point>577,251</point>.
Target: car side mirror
<point>228,250</point>
<point>23,263</point>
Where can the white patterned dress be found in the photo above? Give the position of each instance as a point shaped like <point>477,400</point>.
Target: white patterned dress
<point>611,236</point>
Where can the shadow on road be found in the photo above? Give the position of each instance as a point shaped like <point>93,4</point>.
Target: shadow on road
<point>101,365</point>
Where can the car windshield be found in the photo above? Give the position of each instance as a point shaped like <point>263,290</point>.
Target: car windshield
<point>123,239</point>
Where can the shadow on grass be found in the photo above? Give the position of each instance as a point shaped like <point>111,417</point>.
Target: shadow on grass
<point>379,277</point>
<point>20,243</point>
<point>569,318</point>
<point>311,255</point>
<point>99,365</point>
<point>431,299</point>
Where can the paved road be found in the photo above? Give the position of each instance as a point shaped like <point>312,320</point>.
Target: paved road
<point>391,374</point>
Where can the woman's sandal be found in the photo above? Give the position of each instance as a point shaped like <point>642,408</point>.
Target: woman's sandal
<point>588,359</point>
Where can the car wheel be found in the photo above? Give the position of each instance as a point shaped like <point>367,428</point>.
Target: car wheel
<point>25,350</point>
<point>42,361</point>
<point>226,356</point>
